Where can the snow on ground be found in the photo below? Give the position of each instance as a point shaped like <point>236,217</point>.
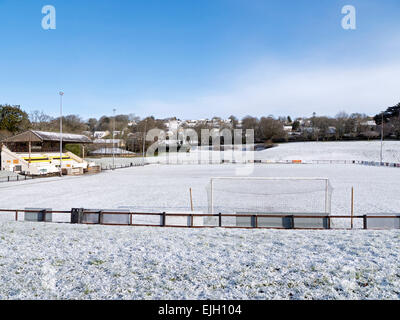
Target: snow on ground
<point>5,174</point>
<point>100,262</point>
<point>342,150</point>
<point>157,188</point>
<point>107,162</point>
<point>56,261</point>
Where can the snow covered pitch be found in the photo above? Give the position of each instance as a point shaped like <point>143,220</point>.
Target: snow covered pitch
<point>76,261</point>
<point>158,188</point>
<point>52,261</point>
<point>341,150</point>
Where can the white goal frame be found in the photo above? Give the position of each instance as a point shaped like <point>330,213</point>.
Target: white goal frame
<point>272,178</point>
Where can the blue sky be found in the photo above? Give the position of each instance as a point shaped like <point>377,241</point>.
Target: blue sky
<point>200,58</point>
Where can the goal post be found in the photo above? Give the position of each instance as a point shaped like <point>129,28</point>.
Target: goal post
<point>269,195</point>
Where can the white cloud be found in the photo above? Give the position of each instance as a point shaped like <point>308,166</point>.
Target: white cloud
<point>294,91</point>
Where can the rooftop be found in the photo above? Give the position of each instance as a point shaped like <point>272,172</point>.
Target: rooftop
<point>40,136</point>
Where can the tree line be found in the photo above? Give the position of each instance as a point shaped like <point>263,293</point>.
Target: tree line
<point>267,129</point>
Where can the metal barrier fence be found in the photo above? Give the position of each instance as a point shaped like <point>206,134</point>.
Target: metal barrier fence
<point>265,161</point>
<point>121,166</point>
<point>15,178</point>
<point>304,161</point>
<point>379,164</point>
<point>146,162</point>
<point>100,217</point>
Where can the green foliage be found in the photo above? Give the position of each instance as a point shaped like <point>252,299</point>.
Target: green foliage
<point>265,128</point>
<point>13,119</point>
<point>75,149</point>
<point>295,125</point>
<point>391,121</point>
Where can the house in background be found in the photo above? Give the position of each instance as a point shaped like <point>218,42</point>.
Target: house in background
<point>100,134</point>
<point>109,143</point>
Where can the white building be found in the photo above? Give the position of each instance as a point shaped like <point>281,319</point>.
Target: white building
<point>287,128</point>
<point>100,134</point>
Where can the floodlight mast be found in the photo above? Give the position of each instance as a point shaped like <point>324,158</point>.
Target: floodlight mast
<point>61,93</point>
<point>382,138</point>
<point>113,133</point>
<point>144,139</point>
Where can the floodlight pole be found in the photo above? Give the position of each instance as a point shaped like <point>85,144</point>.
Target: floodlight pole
<point>211,196</point>
<point>61,139</point>
<point>144,138</point>
<point>113,150</point>
<point>382,139</point>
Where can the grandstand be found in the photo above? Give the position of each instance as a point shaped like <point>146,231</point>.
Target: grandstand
<point>37,153</point>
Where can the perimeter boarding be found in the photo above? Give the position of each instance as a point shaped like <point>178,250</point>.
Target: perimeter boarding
<point>234,202</point>
<point>200,220</point>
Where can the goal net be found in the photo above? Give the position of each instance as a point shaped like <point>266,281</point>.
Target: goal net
<point>269,195</point>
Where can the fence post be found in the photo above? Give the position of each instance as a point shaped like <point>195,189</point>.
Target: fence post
<point>77,215</point>
<point>352,208</point>
<point>191,221</point>
<point>16,215</point>
<point>255,221</point>
<point>365,226</point>
<point>100,217</point>
<point>74,216</point>
<point>163,219</point>
<point>220,219</point>
<point>130,218</point>
<point>291,221</point>
<point>191,199</point>
<point>81,213</point>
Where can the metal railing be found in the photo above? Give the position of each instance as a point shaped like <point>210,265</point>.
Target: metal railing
<point>15,178</point>
<point>121,166</point>
<point>220,216</point>
<point>138,164</point>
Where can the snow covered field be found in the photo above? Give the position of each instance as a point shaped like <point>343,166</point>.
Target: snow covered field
<point>157,188</point>
<point>342,150</point>
<point>76,261</point>
<point>52,261</point>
